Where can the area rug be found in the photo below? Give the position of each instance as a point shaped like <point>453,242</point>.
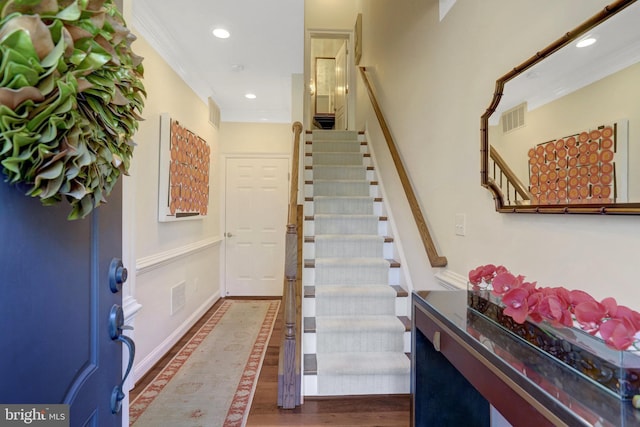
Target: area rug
<point>211,380</point>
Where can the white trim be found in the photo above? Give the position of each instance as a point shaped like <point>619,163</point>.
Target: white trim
<point>451,280</point>
<point>131,307</point>
<point>151,262</point>
<point>391,221</point>
<point>140,369</point>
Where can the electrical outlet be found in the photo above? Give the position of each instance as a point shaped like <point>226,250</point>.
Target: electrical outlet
<point>460,225</point>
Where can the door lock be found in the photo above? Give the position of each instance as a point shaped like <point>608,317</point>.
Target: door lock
<point>117,275</point>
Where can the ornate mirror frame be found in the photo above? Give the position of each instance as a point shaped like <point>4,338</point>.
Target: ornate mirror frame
<point>486,149</point>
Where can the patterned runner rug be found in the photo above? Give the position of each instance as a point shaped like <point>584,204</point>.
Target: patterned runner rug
<point>211,381</point>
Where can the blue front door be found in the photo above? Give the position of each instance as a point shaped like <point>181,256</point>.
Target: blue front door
<point>55,304</point>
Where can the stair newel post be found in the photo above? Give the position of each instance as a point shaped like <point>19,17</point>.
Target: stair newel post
<point>291,267</point>
<point>289,393</point>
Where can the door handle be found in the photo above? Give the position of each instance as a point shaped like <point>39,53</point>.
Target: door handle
<point>228,234</point>
<point>116,326</point>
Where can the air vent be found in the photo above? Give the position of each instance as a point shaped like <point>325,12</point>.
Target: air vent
<point>178,297</point>
<point>513,119</point>
<point>214,113</point>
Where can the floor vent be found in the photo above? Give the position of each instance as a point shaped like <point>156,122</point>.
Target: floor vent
<point>178,297</point>
<point>513,119</point>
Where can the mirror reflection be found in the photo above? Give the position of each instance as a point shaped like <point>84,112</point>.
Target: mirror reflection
<point>325,85</point>
<point>566,130</point>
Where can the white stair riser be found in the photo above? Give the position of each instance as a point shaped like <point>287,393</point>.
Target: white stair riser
<point>378,209</point>
<point>308,276</point>
<point>309,341</point>
<point>402,306</point>
<point>366,161</point>
<point>401,303</point>
<point>310,250</point>
<point>308,148</point>
<point>310,385</point>
<point>369,341</point>
<point>370,176</point>
<point>310,229</point>
<point>332,135</point>
<point>364,384</point>
<point>373,190</point>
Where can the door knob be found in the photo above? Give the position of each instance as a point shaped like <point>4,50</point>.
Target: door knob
<point>118,274</point>
<point>116,326</point>
<point>228,234</point>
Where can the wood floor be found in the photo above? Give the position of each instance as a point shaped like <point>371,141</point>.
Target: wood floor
<point>369,411</point>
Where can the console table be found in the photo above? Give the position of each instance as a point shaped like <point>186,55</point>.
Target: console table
<point>462,363</point>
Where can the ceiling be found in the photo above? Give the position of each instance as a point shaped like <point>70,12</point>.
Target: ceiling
<point>263,52</point>
<point>572,68</point>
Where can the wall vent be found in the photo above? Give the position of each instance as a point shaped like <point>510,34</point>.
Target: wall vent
<point>178,297</point>
<point>513,119</point>
<point>214,113</point>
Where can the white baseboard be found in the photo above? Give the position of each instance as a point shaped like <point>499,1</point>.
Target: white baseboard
<point>141,368</point>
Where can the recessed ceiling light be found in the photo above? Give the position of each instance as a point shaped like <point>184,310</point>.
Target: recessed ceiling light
<point>587,41</point>
<point>250,96</point>
<point>221,33</point>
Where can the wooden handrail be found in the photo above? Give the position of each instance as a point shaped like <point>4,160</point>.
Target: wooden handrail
<point>434,258</point>
<point>289,362</point>
<point>512,178</point>
<point>295,171</point>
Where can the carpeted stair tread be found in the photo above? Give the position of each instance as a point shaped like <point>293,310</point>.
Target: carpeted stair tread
<point>310,291</point>
<point>349,245</point>
<point>340,300</point>
<point>352,205</point>
<point>351,271</point>
<point>358,188</point>
<point>359,333</point>
<point>345,224</point>
<point>339,172</point>
<point>356,363</point>
<point>336,146</point>
<point>334,135</point>
<point>355,324</point>
<point>337,158</point>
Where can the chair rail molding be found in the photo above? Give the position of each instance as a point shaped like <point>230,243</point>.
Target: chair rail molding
<point>151,262</point>
<point>451,280</point>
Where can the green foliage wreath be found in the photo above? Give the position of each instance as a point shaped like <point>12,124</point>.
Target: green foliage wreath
<point>70,98</point>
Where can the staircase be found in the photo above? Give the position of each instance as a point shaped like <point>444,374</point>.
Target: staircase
<point>356,331</point>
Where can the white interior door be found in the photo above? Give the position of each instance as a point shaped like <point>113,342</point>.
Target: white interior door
<point>255,225</point>
<point>341,88</point>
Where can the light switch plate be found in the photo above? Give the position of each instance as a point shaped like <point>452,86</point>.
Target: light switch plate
<point>460,225</point>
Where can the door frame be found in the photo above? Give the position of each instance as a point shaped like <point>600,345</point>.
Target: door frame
<point>351,74</point>
<point>223,202</point>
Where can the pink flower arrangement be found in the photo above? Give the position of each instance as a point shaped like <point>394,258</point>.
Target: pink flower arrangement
<point>617,325</point>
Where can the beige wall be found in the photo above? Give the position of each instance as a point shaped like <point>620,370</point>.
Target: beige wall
<point>265,138</point>
<point>435,80</point>
<point>166,254</point>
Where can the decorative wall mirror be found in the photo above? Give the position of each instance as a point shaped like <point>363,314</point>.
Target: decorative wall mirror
<point>562,132</point>
<point>325,85</point>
